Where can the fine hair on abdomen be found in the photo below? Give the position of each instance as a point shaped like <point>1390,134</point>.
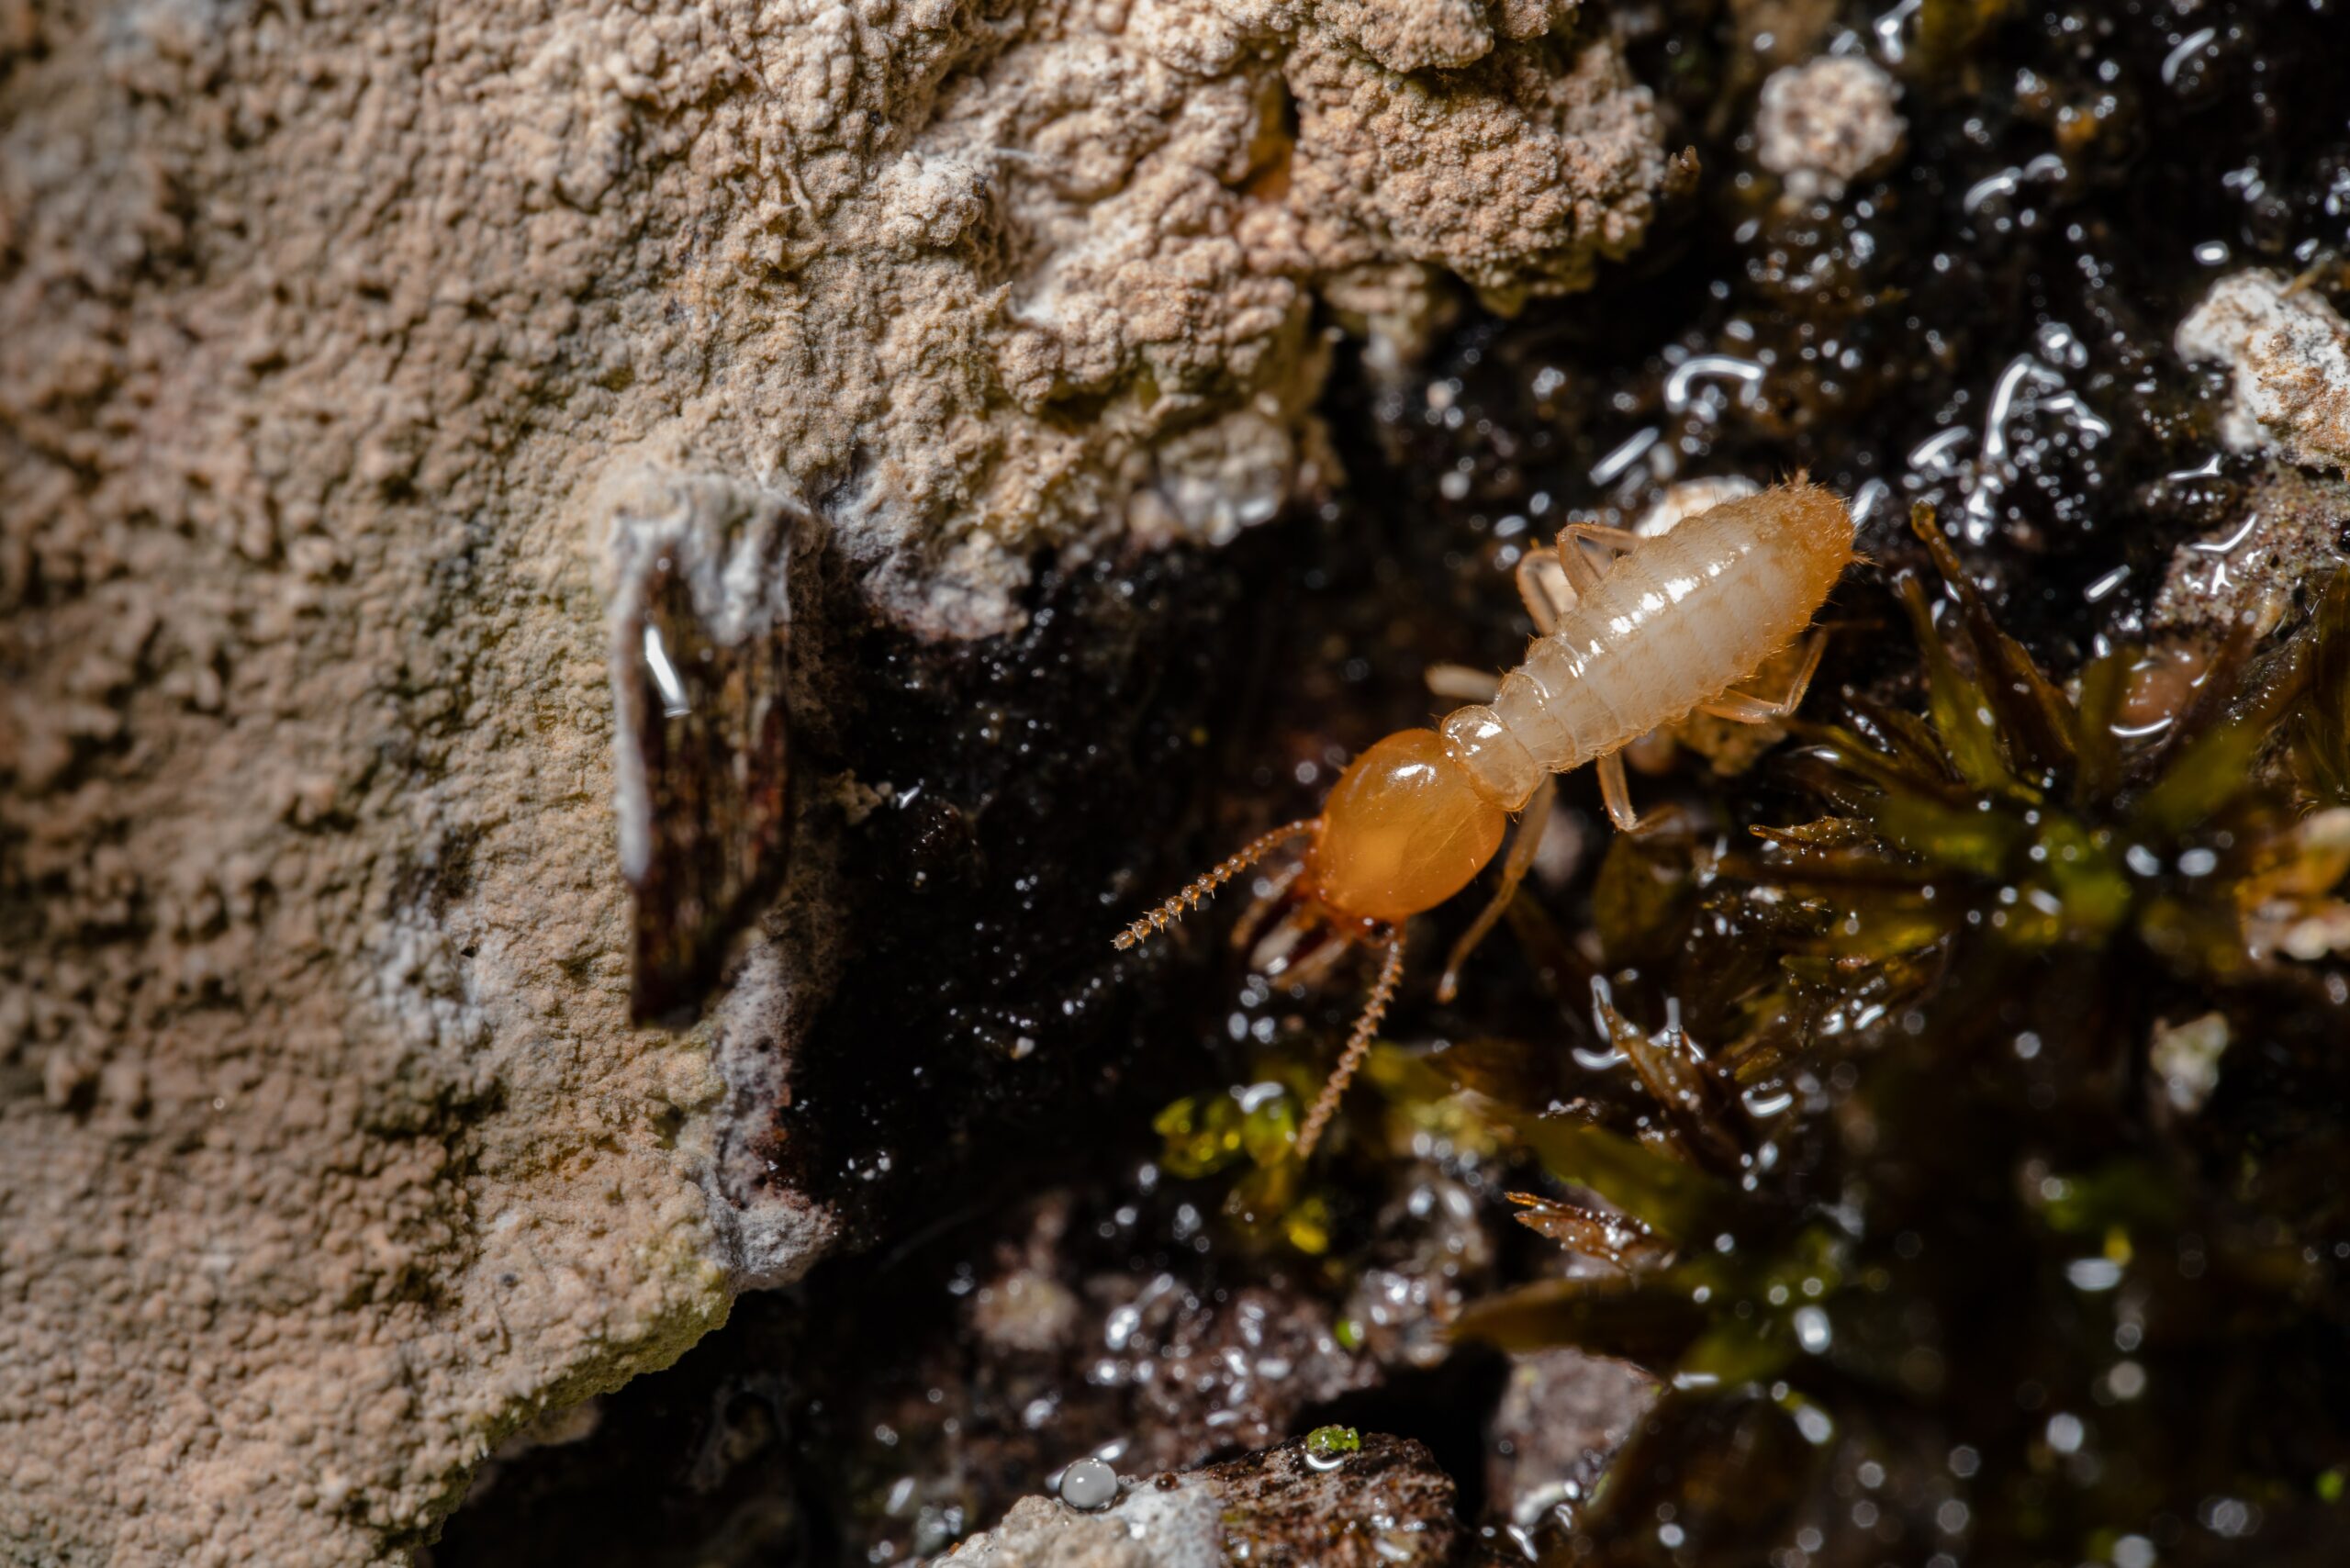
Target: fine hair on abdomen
<point>1670,625</point>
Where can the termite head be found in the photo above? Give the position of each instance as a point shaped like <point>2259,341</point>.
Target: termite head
<point>1404,829</point>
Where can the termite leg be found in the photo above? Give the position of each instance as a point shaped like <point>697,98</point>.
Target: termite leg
<point>1545,585</point>
<point>1459,683</point>
<point>1549,581</point>
<point>1190,898</point>
<point>1530,823</point>
<point>1383,991</point>
<point>1581,575</point>
<point>1740,709</point>
<point>1542,584</point>
<point>1575,535</point>
<point>1251,926</point>
<point>1814,646</point>
<point>1751,709</point>
<point>1615,792</point>
<point>1617,539</point>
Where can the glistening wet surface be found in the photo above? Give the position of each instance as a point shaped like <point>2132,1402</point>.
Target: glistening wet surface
<point>2023,1243</point>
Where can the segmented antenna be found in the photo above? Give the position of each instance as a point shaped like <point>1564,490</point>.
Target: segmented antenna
<point>1190,898</point>
<point>1390,975</point>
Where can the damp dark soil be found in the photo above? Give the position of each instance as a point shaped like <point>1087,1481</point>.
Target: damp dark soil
<point>1039,1272</point>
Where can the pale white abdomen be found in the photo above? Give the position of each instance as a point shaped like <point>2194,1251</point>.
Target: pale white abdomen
<point>1670,625</point>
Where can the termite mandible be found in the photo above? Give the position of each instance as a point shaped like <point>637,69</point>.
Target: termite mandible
<point>1673,627</point>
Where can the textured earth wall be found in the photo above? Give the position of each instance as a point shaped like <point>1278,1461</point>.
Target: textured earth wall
<point>349,359</point>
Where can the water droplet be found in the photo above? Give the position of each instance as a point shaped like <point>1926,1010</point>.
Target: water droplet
<point>1089,1484</point>
<point>1624,455</point>
<point>1709,366</point>
<point>2093,1273</point>
<point>1327,1448</point>
<point>664,674</point>
<point>2188,46</point>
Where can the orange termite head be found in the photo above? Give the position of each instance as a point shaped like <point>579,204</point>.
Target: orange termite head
<point>1403,830</point>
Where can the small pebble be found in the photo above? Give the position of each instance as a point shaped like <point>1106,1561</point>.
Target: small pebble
<point>1089,1485</point>
<point>1828,122</point>
<point>2288,351</point>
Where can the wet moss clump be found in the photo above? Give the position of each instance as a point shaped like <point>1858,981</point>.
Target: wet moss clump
<point>1974,1176</point>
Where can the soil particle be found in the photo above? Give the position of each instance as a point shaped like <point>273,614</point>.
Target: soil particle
<point>329,1151</point>
<point>967,1370</point>
<point>1562,1417</point>
<point>1387,1504</point>
<point>1826,123</point>
<point>2278,540</point>
<point>2287,351</point>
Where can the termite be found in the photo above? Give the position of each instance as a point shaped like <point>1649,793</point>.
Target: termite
<point>1673,627</point>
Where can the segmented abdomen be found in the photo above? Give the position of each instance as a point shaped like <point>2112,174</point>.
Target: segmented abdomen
<point>1671,624</point>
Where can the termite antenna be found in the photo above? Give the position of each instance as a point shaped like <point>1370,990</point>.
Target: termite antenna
<point>1390,975</point>
<point>1190,898</point>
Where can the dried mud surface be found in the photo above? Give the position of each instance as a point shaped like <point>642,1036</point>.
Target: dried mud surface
<point>1982,318</point>
<point>328,1150</point>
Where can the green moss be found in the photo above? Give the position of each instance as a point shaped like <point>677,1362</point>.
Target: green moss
<point>1892,1170</point>
<point>1905,1181</point>
<point>1204,1133</point>
<point>1332,1443</point>
<point>1248,1132</point>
